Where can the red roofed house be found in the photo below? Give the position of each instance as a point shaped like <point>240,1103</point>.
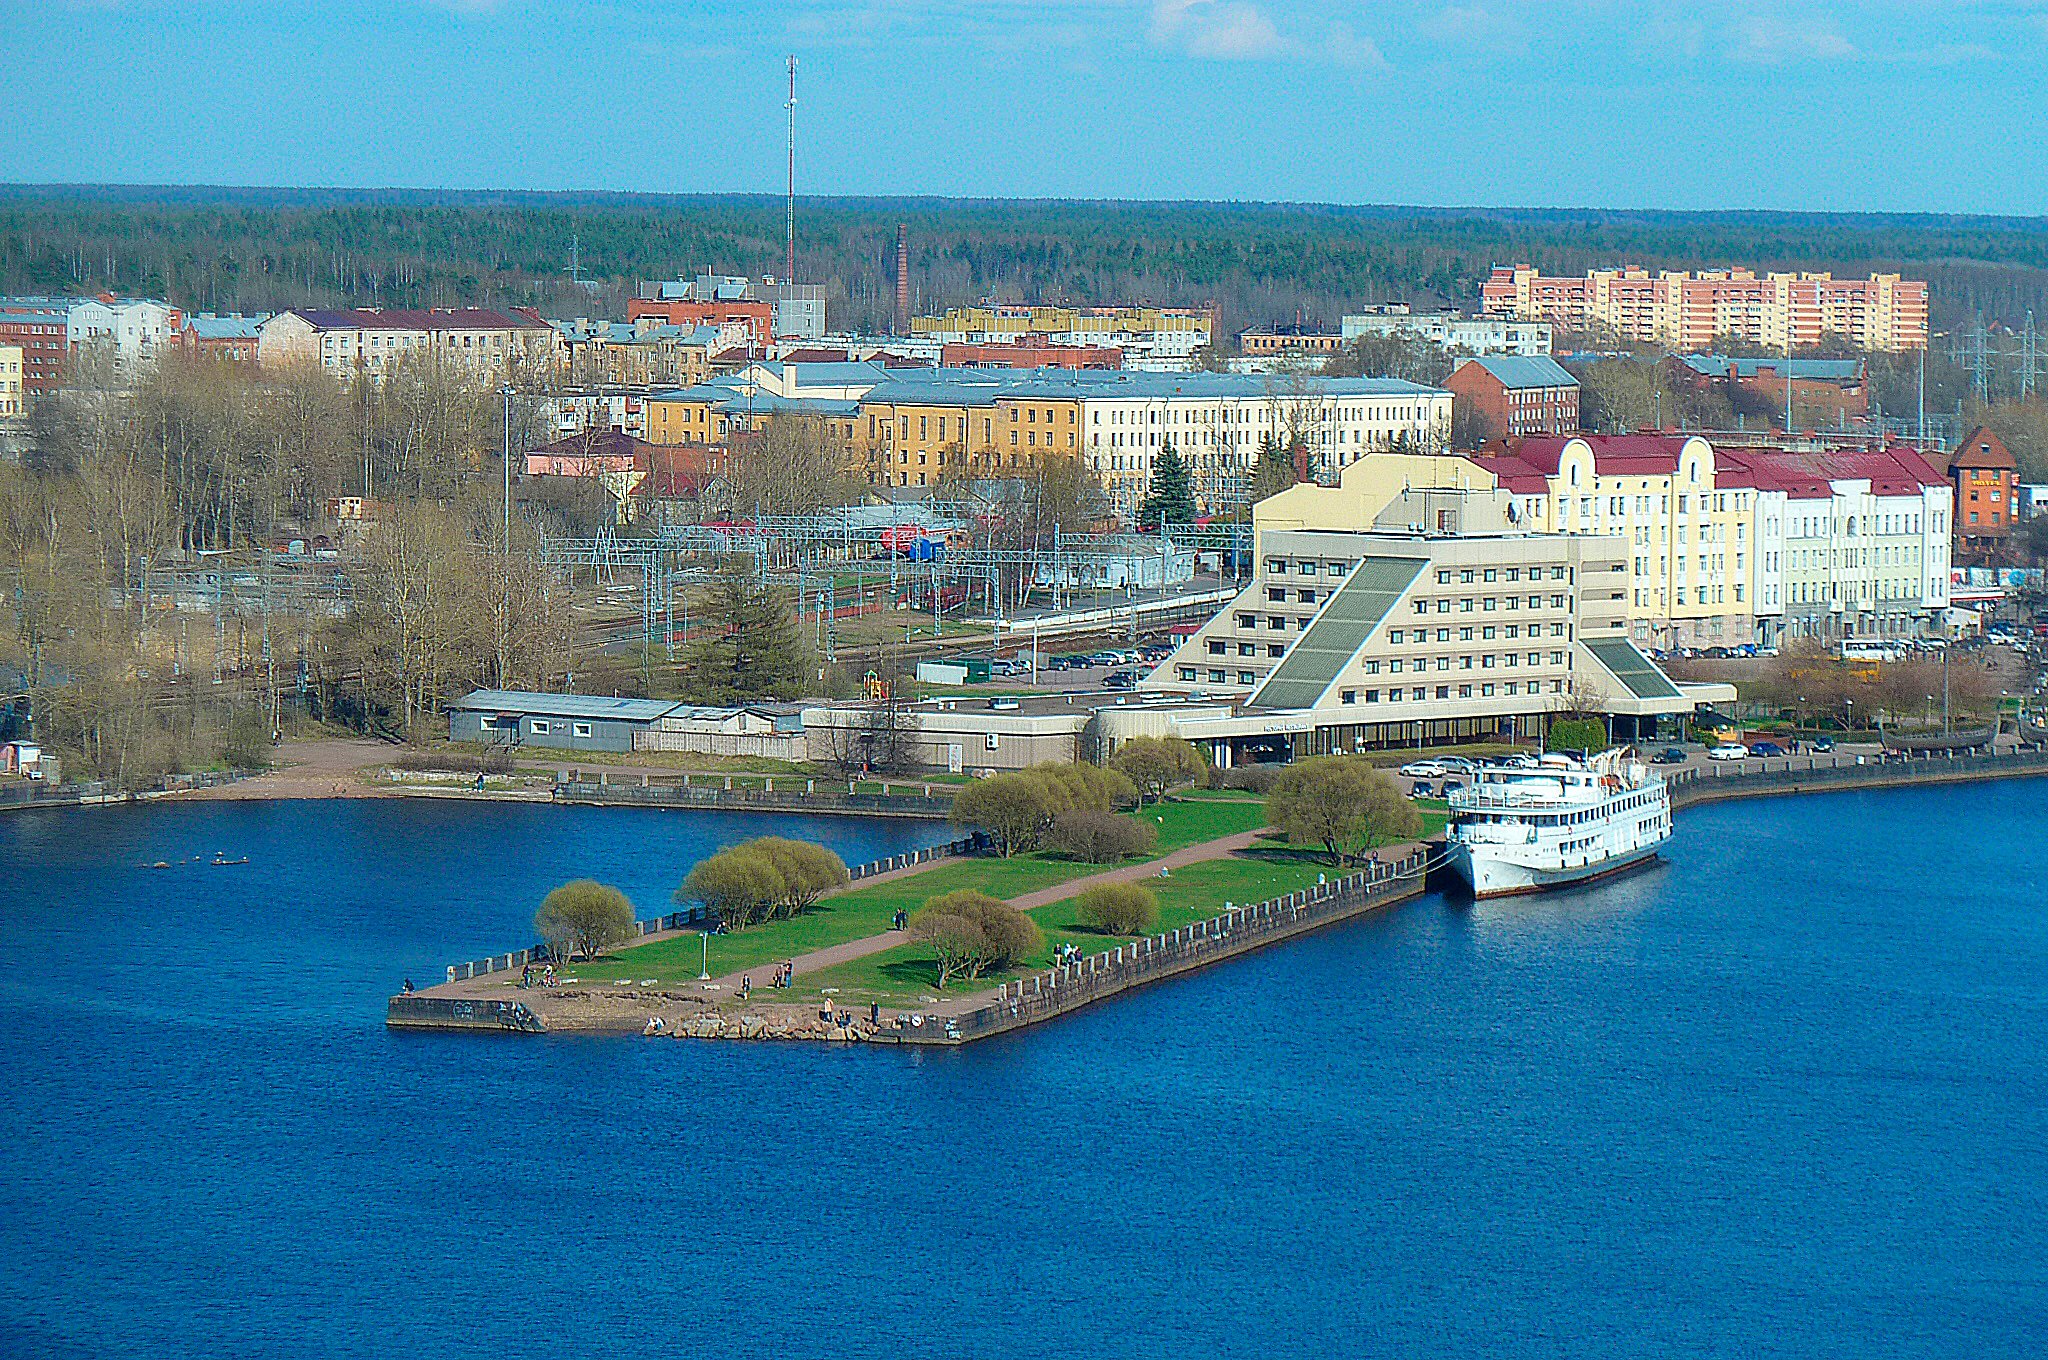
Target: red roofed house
<point>1987,483</point>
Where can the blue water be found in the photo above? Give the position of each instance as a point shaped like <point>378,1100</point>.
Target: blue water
<point>1783,1096</point>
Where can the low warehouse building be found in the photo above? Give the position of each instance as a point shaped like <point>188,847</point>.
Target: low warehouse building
<point>572,722</point>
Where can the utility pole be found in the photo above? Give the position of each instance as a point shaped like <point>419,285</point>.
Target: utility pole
<point>505,557</point>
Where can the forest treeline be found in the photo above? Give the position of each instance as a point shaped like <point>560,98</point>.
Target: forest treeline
<point>224,249</point>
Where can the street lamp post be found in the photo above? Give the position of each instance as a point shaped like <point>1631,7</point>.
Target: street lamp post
<point>704,969</point>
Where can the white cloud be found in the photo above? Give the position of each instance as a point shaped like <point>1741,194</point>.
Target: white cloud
<point>1238,30</point>
<point>1222,30</point>
<point>1768,38</point>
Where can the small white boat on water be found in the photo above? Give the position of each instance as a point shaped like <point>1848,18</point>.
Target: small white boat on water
<point>1560,822</point>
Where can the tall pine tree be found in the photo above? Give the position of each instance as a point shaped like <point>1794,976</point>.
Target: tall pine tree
<point>1274,472</point>
<point>758,655</point>
<point>1171,499</point>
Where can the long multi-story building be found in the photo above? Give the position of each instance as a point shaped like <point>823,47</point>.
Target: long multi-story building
<point>1153,339</point>
<point>491,344</point>
<point>1408,604</point>
<point>1736,546</point>
<point>909,428</point>
<point>1453,331</point>
<point>1692,311</point>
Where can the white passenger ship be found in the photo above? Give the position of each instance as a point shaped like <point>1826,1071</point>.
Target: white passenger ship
<point>1558,822</point>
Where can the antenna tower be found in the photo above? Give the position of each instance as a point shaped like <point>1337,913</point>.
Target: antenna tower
<point>790,277</point>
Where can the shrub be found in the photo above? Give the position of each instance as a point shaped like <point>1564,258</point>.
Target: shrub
<point>971,933</point>
<point>741,886</point>
<point>1576,734</point>
<point>1156,764</point>
<point>1098,837</point>
<point>583,918</point>
<point>1258,779</point>
<point>1119,908</point>
<point>1342,804</point>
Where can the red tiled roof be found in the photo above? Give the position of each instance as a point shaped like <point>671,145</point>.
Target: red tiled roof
<point>1982,449</point>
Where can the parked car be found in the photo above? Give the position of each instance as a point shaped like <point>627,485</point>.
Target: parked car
<point>1823,744</point>
<point>1670,755</point>
<point>1517,761</point>
<point>1729,751</point>
<point>1458,765</point>
<point>1451,786</point>
<point>1423,769</point>
<point>1105,658</point>
<point>1121,680</point>
<point>1766,748</point>
<point>1421,789</point>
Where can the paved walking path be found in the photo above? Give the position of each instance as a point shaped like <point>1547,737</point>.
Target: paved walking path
<point>817,959</point>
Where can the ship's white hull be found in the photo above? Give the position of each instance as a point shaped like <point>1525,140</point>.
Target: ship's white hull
<point>1500,871</point>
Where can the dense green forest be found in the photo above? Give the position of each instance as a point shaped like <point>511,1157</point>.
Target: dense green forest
<point>227,249</point>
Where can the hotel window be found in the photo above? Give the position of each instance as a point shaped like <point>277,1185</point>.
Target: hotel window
<point>1443,691</point>
<point>1245,678</point>
<point>1276,649</point>
<point>1486,691</point>
<point>1464,691</point>
<point>1418,694</point>
<point>540,726</point>
<point>1187,672</point>
<point>1349,696</point>
<point>1216,677</point>
<point>1372,696</point>
<point>581,729</point>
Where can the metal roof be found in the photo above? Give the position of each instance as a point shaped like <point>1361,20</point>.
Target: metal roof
<point>1517,372</point>
<point>564,705</point>
<point>1337,632</point>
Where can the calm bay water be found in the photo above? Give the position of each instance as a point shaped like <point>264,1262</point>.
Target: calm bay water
<point>1784,1095</point>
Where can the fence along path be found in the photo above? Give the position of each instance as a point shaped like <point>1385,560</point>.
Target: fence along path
<point>1236,930</point>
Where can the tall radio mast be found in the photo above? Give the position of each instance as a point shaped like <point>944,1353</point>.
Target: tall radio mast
<point>790,278</point>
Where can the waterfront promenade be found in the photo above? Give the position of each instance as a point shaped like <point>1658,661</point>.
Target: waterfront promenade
<point>687,1006</point>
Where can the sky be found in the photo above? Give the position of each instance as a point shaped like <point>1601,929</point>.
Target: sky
<point>1810,105</point>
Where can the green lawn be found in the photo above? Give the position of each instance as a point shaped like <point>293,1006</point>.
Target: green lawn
<point>904,974</point>
<point>867,911</point>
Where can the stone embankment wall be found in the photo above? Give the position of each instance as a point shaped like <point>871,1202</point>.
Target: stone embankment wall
<point>1821,773</point>
<point>1238,930</point>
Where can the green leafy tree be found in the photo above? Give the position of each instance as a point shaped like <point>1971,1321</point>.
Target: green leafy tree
<point>1119,908</point>
<point>741,886</point>
<point>808,871</point>
<point>756,654</point>
<point>584,918</point>
<point>971,933</point>
<point>1157,764</point>
<point>1009,807</point>
<point>1576,734</point>
<point>1171,498</point>
<point>1342,804</point>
